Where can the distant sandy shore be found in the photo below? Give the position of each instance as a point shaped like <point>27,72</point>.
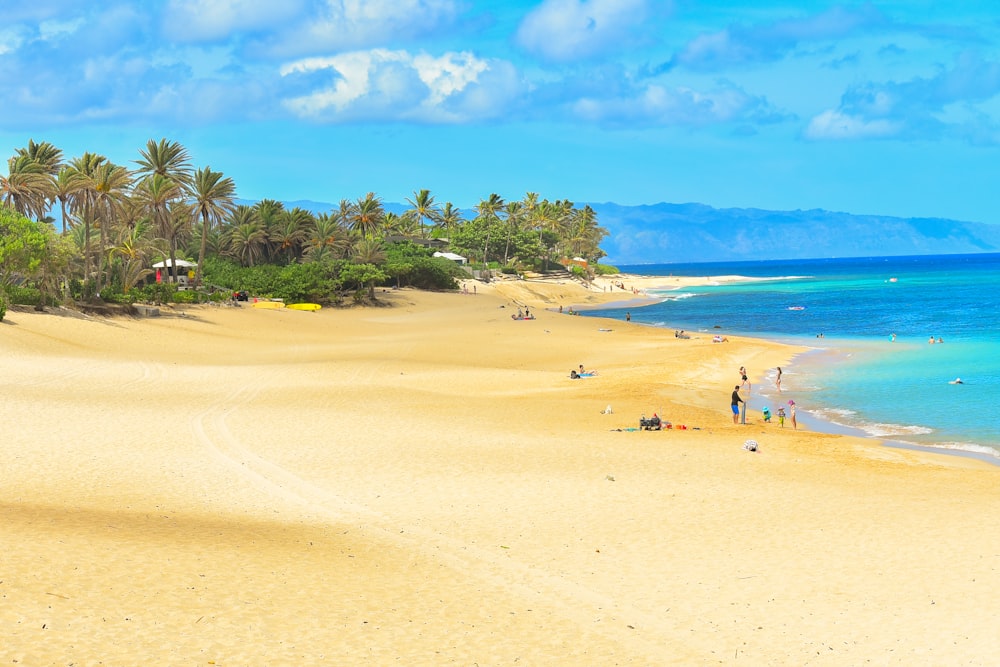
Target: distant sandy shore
<point>422,484</point>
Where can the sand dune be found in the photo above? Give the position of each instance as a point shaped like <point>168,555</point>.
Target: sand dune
<point>422,484</point>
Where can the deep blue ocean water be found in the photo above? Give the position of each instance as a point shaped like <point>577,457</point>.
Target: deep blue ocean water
<point>856,378</point>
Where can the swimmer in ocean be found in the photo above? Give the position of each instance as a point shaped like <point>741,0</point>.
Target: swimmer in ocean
<point>956,381</point>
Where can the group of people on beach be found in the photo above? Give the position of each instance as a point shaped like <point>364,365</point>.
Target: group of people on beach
<point>736,400</point>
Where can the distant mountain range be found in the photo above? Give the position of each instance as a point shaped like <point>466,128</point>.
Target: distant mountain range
<point>665,233</point>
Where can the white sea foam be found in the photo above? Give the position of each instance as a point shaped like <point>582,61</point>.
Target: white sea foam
<point>983,452</point>
<point>888,430</point>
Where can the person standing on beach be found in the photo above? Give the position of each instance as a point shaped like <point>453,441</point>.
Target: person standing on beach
<point>743,374</point>
<point>791,414</point>
<point>736,404</point>
<point>777,381</point>
<point>628,317</point>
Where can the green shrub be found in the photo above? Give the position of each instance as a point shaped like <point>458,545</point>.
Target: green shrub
<point>605,270</point>
<point>24,296</point>
<point>186,296</point>
<point>3,307</point>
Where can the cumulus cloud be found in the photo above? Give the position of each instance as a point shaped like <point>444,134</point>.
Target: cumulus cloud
<point>384,85</point>
<point>839,125</point>
<point>656,104</point>
<point>565,30</point>
<point>769,42</point>
<point>921,107</point>
<point>339,25</point>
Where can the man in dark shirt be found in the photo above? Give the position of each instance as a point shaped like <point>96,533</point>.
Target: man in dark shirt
<point>736,404</point>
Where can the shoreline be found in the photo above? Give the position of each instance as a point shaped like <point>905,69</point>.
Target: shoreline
<point>969,450</point>
<point>422,483</point>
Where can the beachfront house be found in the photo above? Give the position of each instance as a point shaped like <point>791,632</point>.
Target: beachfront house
<point>453,257</point>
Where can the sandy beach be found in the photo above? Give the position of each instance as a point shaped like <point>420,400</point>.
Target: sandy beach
<point>422,484</point>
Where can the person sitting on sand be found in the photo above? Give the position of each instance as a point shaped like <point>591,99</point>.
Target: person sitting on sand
<point>584,373</point>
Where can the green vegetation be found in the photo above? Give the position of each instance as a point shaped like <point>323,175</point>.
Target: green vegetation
<point>117,222</point>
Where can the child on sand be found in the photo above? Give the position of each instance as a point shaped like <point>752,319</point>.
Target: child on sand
<point>781,417</point>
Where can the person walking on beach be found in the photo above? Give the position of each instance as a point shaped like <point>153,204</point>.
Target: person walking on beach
<point>736,404</point>
<point>743,374</point>
<point>777,380</point>
<point>791,414</point>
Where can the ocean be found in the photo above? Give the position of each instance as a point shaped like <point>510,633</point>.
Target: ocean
<point>871,369</point>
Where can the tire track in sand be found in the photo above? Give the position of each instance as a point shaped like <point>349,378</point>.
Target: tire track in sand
<point>591,610</point>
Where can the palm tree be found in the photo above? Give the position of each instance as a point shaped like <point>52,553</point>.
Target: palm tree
<point>326,238</point>
<point>45,154</point>
<point>155,193</point>
<point>109,183</point>
<point>166,158</point>
<point>369,251</point>
<point>68,183</point>
<point>245,235</point>
<point>488,210</point>
<point>83,196</point>
<point>514,211</point>
<point>212,199</point>
<point>367,216</point>
<point>28,188</point>
<point>451,217</point>
<point>132,247</point>
<point>423,208</point>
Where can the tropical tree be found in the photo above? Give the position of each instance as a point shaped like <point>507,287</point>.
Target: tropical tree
<point>514,218</point>
<point>68,183</point>
<point>83,198</point>
<point>212,196</point>
<point>423,208</point>
<point>289,231</point>
<point>450,218</point>
<point>327,238</point>
<point>369,253</point>
<point>31,251</point>
<point>166,158</point>
<point>367,216</point>
<point>131,251</point>
<point>45,154</point>
<point>245,236</point>
<point>489,209</point>
<point>155,194</point>
<point>28,187</point>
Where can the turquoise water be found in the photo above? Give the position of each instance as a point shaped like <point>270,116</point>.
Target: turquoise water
<point>857,379</point>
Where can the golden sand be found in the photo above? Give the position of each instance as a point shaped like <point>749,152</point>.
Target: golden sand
<point>421,484</point>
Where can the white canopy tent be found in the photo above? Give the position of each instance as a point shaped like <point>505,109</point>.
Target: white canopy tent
<point>181,263</point>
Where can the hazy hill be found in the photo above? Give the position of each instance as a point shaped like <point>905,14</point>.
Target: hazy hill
<point>663,233</point>
<point>695,232</point>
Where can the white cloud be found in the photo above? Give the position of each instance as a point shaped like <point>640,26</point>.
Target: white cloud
<point>11,40</point>
<point>358,24</point>
<point>659,105</point>
<point>834,124</point>
<point>383,85</point>
<point>197,20</point>
<point>563,30</point>
<point>53,30</point>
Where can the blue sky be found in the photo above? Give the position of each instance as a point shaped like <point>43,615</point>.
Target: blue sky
<point>888,108</point>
